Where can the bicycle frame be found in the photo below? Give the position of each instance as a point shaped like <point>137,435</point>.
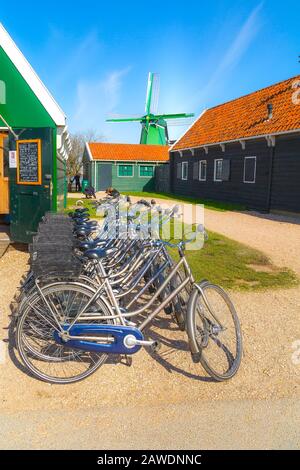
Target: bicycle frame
<point>119,315</point>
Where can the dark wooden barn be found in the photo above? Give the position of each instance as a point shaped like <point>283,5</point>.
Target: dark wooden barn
<point>245,151</point>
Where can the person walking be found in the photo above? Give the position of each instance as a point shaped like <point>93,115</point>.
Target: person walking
<point>77,182</point>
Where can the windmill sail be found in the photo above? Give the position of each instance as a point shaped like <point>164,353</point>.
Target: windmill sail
<point>123,118</point>
<point>149,93</point>
<point>155,94</point>
<point>152,93</point>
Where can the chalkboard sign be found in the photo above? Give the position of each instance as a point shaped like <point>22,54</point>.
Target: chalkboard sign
<point>29,169</point>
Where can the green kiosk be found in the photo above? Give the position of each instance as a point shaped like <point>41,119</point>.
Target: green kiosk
<point>34,145</point>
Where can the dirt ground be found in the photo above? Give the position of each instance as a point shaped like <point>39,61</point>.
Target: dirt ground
<point>270,324</point>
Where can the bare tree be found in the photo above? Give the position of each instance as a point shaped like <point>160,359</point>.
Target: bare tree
<point>79,139</point>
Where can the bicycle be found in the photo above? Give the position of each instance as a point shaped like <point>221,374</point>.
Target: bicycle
<point>67,329</point>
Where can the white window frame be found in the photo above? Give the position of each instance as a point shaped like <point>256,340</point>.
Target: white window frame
<point>244,179</point>
<point>140,176</point>
<point>125,164</point>
<point>199,176</point>
<point>215,169</point>
<point>187,171</point>
<point>2,92</point>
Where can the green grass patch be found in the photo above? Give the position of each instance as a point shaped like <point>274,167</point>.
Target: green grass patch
<point>88,203</point>
<point>215,205</point>
<point>236,266</point>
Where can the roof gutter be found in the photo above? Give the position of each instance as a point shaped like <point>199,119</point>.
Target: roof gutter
<point>239,139</point>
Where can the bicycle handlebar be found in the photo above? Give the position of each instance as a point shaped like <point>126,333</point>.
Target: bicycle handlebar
<point>182,243</point>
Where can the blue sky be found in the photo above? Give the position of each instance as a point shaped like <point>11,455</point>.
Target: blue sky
<point>95,56</point>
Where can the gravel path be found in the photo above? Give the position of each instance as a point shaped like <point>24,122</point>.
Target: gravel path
<point>270,324</point>
<point>210,425</point>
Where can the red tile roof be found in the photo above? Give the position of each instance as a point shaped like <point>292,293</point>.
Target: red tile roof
<point>247,117</point>
<point>134,152</point>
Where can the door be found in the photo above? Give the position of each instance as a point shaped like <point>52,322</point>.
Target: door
<point>105,176</point>
<point>4,169</point>
<point>30,201</point>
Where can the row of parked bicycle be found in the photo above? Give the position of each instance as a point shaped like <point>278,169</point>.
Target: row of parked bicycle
<point>95,288</point>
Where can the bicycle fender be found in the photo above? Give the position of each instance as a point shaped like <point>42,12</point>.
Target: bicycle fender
<point>190,327</point>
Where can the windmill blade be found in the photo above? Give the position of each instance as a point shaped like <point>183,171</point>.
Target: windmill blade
<point>175,116</point>
<point>152,93</point>
<point>122,118</point>
<point>180,122</point>
<point>155,94</point>
<point>149,93</point>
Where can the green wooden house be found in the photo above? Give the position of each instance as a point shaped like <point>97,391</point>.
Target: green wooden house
<point>126,167</point>
<point>34,144</point>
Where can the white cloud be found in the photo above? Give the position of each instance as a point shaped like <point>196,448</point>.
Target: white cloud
<point>79,53</point>
<point>97,98</point>
<point>234,53</point>
<point>112,87</point>
<point>241,42</point>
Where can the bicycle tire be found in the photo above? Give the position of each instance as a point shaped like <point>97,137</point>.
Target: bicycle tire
<point>25,352</point>
<point>199,350</point>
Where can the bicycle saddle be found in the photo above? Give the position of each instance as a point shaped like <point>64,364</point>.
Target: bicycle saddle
<point>85,231</point>
<point>84,209</point>
<point>98,253</point>
<point>90,244</point>
<point>76,215</point>
<point>88,223</point>
<point>144,203</point>
<point>81,220</point>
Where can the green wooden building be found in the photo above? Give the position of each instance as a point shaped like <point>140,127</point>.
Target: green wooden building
<point>126,167</point>
<point>34,144</point>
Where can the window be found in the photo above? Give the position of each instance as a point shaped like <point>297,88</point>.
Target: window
<point>184,171</point>
<point>179,170</point>
<point>146,171</point>
<point>2,92</point>
<point>249,169</point>
<point>125,170</point>
<point>218,170</point>
<point>202,170</point>
<point>226,164</point>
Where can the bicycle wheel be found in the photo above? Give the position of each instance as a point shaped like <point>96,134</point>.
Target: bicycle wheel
<point>214,331</point>
<point>44,357</point>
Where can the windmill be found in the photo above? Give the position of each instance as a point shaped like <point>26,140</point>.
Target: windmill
<point>154,125</point>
